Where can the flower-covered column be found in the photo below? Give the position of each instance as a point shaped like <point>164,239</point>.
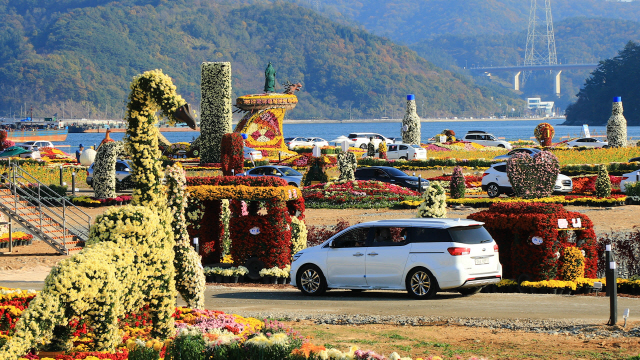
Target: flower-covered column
<point>411,123</point>
<point>104,169</point>
<point>190,280</point>
<point>617,125</point>
<point>215,119</point>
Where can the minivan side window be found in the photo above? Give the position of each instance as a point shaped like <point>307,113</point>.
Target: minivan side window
<point>353,238</point>
<point>501,168</point>
<point>389,236</point>
<point>423,235</point>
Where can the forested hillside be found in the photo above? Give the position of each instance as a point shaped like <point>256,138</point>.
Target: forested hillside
<point>84,55</point>
<point>578,40</point>
<point>410,22</point>
<point>618,76</point>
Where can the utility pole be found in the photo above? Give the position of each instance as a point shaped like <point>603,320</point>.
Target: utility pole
<point>545,52</point>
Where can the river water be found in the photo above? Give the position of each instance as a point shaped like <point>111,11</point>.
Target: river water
<point>509,130</point>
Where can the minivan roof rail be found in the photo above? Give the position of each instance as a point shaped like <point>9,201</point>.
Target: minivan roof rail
<point>476,131</point>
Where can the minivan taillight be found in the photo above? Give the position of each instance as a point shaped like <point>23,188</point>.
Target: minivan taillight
<point>624,178</point>
<point>485,174</point>
<point>495,248</point>
<point>457,251</point>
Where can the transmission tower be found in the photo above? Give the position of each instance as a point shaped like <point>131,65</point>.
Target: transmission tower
<point>541,43</point>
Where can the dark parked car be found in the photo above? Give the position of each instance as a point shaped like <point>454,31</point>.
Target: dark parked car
<point>390,175</point>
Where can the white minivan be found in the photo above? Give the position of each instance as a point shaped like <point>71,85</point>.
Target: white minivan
<point>421,256</point>
<point>406,152</point>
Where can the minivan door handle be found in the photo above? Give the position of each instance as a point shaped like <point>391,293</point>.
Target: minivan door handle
<point>372,254</point>
<point>358,254</point>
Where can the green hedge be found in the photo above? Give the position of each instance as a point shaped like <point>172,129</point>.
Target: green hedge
<point>301,150</point>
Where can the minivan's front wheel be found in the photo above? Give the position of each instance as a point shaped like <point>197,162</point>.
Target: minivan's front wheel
<point>363,146</point>
<point>311,281</point>
<point>421,284</point>
<point>493,190</point>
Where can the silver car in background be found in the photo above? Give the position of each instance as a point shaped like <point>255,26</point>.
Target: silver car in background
<point>291,176</point>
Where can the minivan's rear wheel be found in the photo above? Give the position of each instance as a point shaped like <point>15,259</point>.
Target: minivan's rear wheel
<point>493,190</point>
<point>421,284</point>
<point>501,146</point>
<point>470,291</point>
<point>311,281</point>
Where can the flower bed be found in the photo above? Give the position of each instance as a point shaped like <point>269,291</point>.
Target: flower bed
<point>559,287</point>
<point>613,200</point>
<point>18,238</point>
<point>356,194</point>
<point>55,155</point>
<point>306,159</point>
<point>95,202</point>
<point>201,334</point>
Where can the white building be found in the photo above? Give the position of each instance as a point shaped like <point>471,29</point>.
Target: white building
<point>537,103</point>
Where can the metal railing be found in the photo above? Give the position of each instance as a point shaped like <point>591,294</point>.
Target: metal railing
<point>45,212</point>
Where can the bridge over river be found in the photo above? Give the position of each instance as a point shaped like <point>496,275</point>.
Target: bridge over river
<point>515,71</point>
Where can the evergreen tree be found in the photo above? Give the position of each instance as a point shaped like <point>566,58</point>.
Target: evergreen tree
<point>603,182</point>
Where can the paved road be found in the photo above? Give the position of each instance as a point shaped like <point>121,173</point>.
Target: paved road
<point>248,301</point>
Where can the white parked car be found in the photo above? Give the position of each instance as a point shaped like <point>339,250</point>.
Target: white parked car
<point>486,139</point>
<point>421,256</point>
<point>35,145</point>
<point>629,178</point>
<point>292,142</point>
<point>406,152</point>
<point>250,153</point>
<point>313,141</point>
<point>588,142</point>
<point>495,182</point>
<point>361,140</point>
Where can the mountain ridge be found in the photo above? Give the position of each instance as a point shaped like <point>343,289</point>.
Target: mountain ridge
<point>85,56</point>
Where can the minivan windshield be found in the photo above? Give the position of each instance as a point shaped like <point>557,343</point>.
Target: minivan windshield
<point>470,235</point>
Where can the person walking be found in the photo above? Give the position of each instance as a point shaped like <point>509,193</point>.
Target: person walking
<point>79,152</point>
